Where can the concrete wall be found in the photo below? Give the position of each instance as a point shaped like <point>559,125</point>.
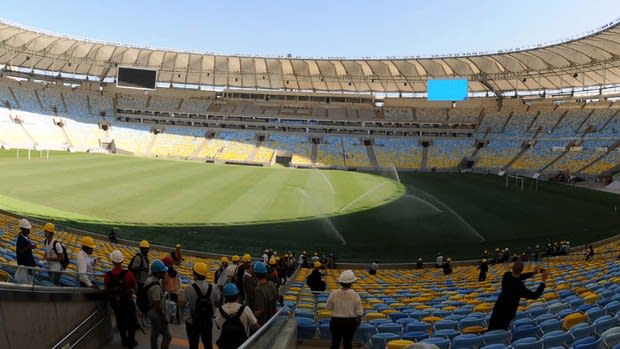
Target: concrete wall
<point>41,317</point>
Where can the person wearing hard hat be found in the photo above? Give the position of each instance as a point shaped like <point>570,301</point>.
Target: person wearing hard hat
<point>265,294</point>
<point>157,312</point>
<point>85,262</point>
<point>199,325</point>
<point>419,264</point>
<point>139,264</point>
<point>53,253</point>
<point>447,266</point>
<point>176,255</point>
<point>120,285</point>
<point>231,269</point>
<point>484,268</point>
<point>266,256</point>
<point>249,284</point>
<point>346,307</point>
<point>303,259</point>
<point>172,285</point>
<point>230,336</point>
<point>315,279</point>
<point>24,246</point>
<point>246,259</point>
<point>372,269</point>
<point>220,278</point>
<point>315,257</point>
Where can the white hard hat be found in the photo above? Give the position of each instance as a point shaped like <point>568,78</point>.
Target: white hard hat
<point>347,277</point>
<point>117,256</point>
<point>24,223</point>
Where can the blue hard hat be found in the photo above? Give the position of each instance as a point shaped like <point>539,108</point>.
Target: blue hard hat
<point>260,268</point>
<point>158,267</point>
<point>230,290</point>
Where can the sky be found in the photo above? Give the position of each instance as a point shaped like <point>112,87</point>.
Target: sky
<point>317,28</point>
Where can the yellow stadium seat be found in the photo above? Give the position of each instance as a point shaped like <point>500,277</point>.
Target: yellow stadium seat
<point>573,319</point>
<point>398,344</point>
<point>374,316</point>
<point>483,307</point>
<point>474,329</point>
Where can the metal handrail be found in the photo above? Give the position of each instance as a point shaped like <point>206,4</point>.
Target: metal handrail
<point>78,327</point>
<point>264,328</point>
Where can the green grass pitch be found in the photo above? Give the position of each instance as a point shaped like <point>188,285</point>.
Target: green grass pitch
<point>358,216</point>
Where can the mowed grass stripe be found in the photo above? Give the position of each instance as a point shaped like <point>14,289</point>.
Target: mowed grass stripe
<point>257,194</point>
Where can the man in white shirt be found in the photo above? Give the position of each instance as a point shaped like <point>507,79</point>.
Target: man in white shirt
<point>53,253</point>
<point>85,262</point>
<point>439,260</point>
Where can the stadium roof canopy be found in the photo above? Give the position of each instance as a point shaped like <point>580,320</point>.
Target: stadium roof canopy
<point>589,60</point>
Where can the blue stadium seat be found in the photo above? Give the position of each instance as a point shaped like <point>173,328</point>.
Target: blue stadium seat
<point>496,337</point>
<point>441,343</point>
<point>581,330</point>
<point>390,327</point>
<point>587,343</point>
<point>528,343</point>
<point>466,341</point>
<point>415,336</point>
<point>556,338</point>
<point>379,340</point>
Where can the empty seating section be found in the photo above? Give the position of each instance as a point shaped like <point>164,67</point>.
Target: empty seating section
<point>354,152</point>
<point>567,127</point>
<point>463,115</point>
<point>498,153</point>
<point>575,160</point>
<point>518,124</point>
<point>546,120</point>
<point>597,120</point>
<point>431,115</point>
<point>11,134</point>
<point>492,122</point>
<point>26,98</point>
<point>100,103</point>
<point>263,154</point>
<point>448,153</point>
<point>131,137</point>
<point>83,136</point>
<point>541,154</point>
<point>42,129</point>
<point>399,152</point>
<point>6,96</point>
<point>195,105</point>
<point>425,305</point>
<point>177,142</point>
<point>336,113</point>
<point>295,145</point>
<point>237,145</point>
<point>398,114</point>
<point>77,104</point>
<point>50,99</point>
<point>164,103</point>
<point>330,152</point>
<point>136,102</point>
<point>609,161</point>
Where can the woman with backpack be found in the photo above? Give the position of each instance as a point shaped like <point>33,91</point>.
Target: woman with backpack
<point>233,321</point>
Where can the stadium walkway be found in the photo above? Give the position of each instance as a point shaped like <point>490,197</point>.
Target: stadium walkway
<point>179,338</point>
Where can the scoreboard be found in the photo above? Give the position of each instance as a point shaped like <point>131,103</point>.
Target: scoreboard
<point>447,90</point>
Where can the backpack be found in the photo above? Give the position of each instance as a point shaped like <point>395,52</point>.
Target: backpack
<point>202,316</point>
<point>143,297</point>
<point>139,268</point>
<point>233,332</point>
<point>117,290</point>
<point>65,262</point>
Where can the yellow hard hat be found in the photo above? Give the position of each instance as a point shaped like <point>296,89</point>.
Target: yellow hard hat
<point>88,242</point>
<point>484,260</point>
<point>286,255</point>
<point>272,261</point>
<point>317,264</point>
<point>144,244</point>
<point>266,250</point>
<point>275,253</point>
<point>49,227</point>
<point>449,259</point>
<point>201,268</point>
<point>236,258</point>
<point>304,252</point>
<point>224,259</point>
<point>316,253</point>
<point>246,258</point>
<point>178,246</point>
<point>419,259</point>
